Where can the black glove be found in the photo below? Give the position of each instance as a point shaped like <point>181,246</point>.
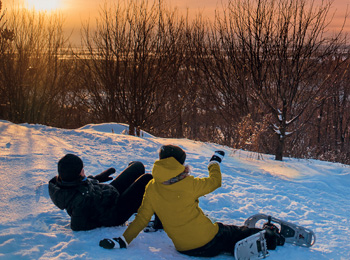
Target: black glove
<point>118,242</point>
<point>104,176</point>
<point>218,156</point>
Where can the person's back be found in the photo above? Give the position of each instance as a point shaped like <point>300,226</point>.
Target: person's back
<point>89,202</point>
<point>173,196</point>
<point>176,204</point>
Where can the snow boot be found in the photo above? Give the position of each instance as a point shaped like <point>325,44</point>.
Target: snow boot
<point>153,225</point>
<point>150,227</point>
<point>273,235</point>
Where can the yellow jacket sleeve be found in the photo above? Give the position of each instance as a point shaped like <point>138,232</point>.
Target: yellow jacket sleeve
<point>206,185</point>
<point>144,215</point>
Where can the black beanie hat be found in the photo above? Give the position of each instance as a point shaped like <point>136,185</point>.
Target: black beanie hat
<point>69,167</point>
<point>172,151</point>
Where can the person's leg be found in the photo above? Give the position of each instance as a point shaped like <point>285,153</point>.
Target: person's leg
<point>217,245</point>
<point>127,177</point>
<point>157,223</point>
<point>131,199</point>
<point>224,241</point>
<point>211,249</point>
<point>231,234</point>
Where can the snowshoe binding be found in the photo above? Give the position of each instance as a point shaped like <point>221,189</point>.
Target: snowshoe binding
<point>273,235</point>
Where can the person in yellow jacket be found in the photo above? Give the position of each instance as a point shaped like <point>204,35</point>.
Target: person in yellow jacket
<point>173,195</point>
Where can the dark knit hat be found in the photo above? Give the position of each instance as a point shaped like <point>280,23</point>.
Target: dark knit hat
<point>69,167</point>
<point>172,151</point>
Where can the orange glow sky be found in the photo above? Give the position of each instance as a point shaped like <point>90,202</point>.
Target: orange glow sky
<point>78,11</point>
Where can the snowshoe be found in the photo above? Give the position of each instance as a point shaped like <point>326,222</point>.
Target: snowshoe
<point>252,247</point>
<point>292,233</point>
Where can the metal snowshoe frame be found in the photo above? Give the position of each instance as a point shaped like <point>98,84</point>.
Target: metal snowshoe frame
<point>294,234</point>
<point>252,247</point>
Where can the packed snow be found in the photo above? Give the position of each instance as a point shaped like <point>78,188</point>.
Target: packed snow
<point>311,193</point>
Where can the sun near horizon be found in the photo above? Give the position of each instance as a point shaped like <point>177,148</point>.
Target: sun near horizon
<point>77,12</point>
<point>44,5</point>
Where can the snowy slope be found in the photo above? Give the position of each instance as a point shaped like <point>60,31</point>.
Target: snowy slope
<point>308,192</point>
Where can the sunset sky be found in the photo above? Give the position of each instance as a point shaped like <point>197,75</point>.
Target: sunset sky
<point>78,11</point>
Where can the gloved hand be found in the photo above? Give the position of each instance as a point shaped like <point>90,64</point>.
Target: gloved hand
<point>118,242</point>
<point>218,156</point>
<point>105,175</point>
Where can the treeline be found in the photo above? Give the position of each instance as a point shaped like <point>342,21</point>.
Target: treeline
<point>264,75</point>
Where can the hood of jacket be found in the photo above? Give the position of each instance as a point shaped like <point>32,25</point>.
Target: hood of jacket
<point>165,169</point>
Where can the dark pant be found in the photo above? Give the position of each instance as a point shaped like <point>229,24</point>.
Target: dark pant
<point>224,241</point>
<point>131,185</point>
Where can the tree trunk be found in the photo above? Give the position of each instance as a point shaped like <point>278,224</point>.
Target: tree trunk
<point>138,131</point>
<point>131,129</point>
<point>279,148</point>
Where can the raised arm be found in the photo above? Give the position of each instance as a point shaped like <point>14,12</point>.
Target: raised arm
<point>206,185</point>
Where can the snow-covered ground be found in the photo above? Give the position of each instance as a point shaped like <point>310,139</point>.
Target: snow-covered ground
<point>308,192</point>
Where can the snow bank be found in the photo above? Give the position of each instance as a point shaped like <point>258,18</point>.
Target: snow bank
<point>308,192</point>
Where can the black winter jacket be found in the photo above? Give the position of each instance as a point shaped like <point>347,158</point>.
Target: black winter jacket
<point>90,204</point>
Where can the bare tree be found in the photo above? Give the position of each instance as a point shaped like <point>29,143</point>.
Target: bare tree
<point>6,34</point>
<point>6,37</point>
<point>197,119</point>
<point>32,69</point>
<point>281,47</point>
<point>225,80</point>
<point>132,59</point>
<point>332,126</point>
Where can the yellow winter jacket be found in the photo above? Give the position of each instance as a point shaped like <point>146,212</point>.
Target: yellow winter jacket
<point>177,205</point>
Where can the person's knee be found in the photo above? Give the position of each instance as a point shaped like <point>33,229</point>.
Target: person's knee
<point>138,166</point>
<point>146,177</point>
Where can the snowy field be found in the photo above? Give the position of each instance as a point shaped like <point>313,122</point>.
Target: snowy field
<point>307,192</point>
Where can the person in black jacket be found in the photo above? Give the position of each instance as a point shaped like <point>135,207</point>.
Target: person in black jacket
<point>91,203</point>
